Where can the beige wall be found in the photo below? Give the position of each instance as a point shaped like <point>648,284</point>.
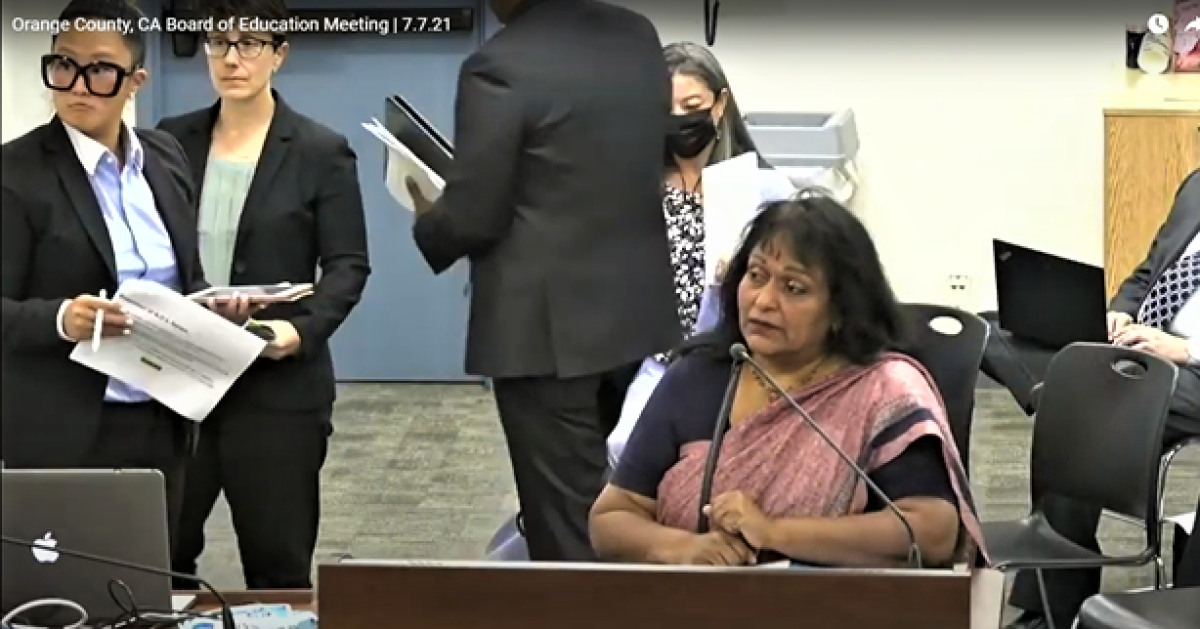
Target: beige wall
<point>969,131</point>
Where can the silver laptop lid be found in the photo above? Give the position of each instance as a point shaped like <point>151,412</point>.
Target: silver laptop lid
<point>120,514</point>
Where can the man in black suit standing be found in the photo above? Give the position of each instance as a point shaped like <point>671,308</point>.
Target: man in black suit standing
<point>1157,309</point>
<point>555,198</point>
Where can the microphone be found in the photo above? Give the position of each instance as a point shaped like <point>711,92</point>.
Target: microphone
<point>226,612</point>
<point>740,354</point>
<point>714,450</point>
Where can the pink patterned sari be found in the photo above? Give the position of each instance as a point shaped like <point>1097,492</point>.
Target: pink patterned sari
<point>790,472</point>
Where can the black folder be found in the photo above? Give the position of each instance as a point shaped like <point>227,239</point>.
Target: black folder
<point>407,124</point>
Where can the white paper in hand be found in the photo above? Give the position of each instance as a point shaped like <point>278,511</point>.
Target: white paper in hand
<point>731,200</point>
<point>402,165</point>
<point>178,352</point>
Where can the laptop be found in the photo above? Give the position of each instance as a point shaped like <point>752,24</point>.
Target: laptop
<point>1049,300</point>
<point>413,130</point>
<point>119,514</point>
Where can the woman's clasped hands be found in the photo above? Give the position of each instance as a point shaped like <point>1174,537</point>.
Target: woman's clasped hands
<point>739,529</point>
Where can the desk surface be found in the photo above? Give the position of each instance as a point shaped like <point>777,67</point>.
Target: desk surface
<point>300,600</point>
<point>1136,93</point>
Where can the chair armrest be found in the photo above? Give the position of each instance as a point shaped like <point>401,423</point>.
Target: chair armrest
<point>1035,396</point>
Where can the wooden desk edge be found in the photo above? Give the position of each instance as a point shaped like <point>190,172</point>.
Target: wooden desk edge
<point>300,600</point>
<point>1183,109</point>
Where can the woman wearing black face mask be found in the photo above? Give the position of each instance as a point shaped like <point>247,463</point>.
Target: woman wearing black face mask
<point>706,128</point>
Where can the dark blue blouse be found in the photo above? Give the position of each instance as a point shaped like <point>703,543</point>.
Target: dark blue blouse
<point>685,404</point>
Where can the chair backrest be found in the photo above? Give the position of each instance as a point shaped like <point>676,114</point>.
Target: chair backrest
<point>1097,434</point>
<point>950,344</point>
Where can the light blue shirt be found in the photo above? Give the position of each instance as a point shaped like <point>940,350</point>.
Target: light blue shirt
<point>140,242</point>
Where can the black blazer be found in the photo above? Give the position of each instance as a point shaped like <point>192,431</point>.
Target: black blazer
<point>55,247</point>
<point>1172,239</point>
<point>556,194</point>
<point>304,209</point>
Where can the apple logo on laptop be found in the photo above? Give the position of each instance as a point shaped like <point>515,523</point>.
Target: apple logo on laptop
<point>46,553</point>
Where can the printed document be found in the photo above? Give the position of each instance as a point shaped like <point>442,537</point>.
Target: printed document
<point>179,352</point>
<point>403,165</point>
<point>731,200</point>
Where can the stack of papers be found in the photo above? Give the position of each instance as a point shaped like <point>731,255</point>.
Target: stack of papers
<point>403,165</point>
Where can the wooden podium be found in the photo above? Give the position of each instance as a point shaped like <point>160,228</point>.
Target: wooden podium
<point>526,595</point>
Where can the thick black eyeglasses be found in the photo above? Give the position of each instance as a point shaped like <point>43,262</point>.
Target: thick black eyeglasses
<point>101,78</point>
<point>217,47</point>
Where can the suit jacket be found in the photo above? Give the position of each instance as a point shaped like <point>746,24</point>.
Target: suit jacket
<point>304,209</point>
<point>56,246</point>
<point>555,195</point>
<point>1172,239</point>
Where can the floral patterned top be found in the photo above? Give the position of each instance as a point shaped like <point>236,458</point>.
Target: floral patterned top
<point>684,213</point>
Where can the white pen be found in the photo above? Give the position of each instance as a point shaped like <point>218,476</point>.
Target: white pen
<point>99,324</point>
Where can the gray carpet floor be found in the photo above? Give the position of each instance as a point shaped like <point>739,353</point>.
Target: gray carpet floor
<point>421,471</point>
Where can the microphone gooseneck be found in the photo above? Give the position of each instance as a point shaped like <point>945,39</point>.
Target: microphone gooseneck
<point>714,449</point>
<point>226,612</point>
<point>741,355</point>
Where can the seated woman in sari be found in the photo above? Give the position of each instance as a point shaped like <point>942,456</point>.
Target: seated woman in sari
<point>807,295</point>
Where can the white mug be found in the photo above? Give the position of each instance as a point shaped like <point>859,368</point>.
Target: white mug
<point>1155,54</point>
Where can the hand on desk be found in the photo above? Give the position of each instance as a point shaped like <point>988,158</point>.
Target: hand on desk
<point>79,318</point>
<point>1155,341</point>
<point>715,548</point>
<point>286,342</point>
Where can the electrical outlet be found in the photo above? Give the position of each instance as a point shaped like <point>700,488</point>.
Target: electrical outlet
<point>958,290</point>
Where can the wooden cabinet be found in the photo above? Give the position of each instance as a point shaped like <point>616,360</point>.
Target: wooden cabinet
<point>1151,143</point>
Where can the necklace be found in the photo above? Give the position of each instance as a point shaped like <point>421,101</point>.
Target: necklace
<point>804,380</point>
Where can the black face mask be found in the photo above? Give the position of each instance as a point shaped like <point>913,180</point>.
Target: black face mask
<point>691,133</point>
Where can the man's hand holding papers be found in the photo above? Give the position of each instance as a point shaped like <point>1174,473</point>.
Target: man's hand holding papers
<point>410,181</point>
<point>420,204</point>
<point>177,351</point>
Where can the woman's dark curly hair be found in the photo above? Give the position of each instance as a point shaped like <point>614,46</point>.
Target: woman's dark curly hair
<point>820,234</point>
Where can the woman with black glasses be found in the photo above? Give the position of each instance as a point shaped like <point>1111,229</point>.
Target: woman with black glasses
<point>279,198</point>
<point>89,203</point>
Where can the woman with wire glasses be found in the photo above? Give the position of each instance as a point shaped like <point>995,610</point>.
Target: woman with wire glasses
<point>279,198</point>
<point>90,203</point>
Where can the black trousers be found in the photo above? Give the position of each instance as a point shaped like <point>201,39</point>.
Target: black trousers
<point>146,435</point>
<point>1068,589</point>
<point>268,463</point>
<point>557,431</point>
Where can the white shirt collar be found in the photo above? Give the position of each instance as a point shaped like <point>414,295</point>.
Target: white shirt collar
<point>90,152</point>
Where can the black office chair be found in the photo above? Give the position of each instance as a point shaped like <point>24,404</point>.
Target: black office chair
<point>1096,438</point>
<point>952,355</point>
<point>1164,472</point>
<point>1157,609</point>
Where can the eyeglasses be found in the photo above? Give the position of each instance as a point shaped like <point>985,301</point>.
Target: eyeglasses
<point>217,47</point>
<point>101,78</point>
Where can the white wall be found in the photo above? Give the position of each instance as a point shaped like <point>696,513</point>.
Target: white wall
<point>970,129</point>
<point>26,101</point>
